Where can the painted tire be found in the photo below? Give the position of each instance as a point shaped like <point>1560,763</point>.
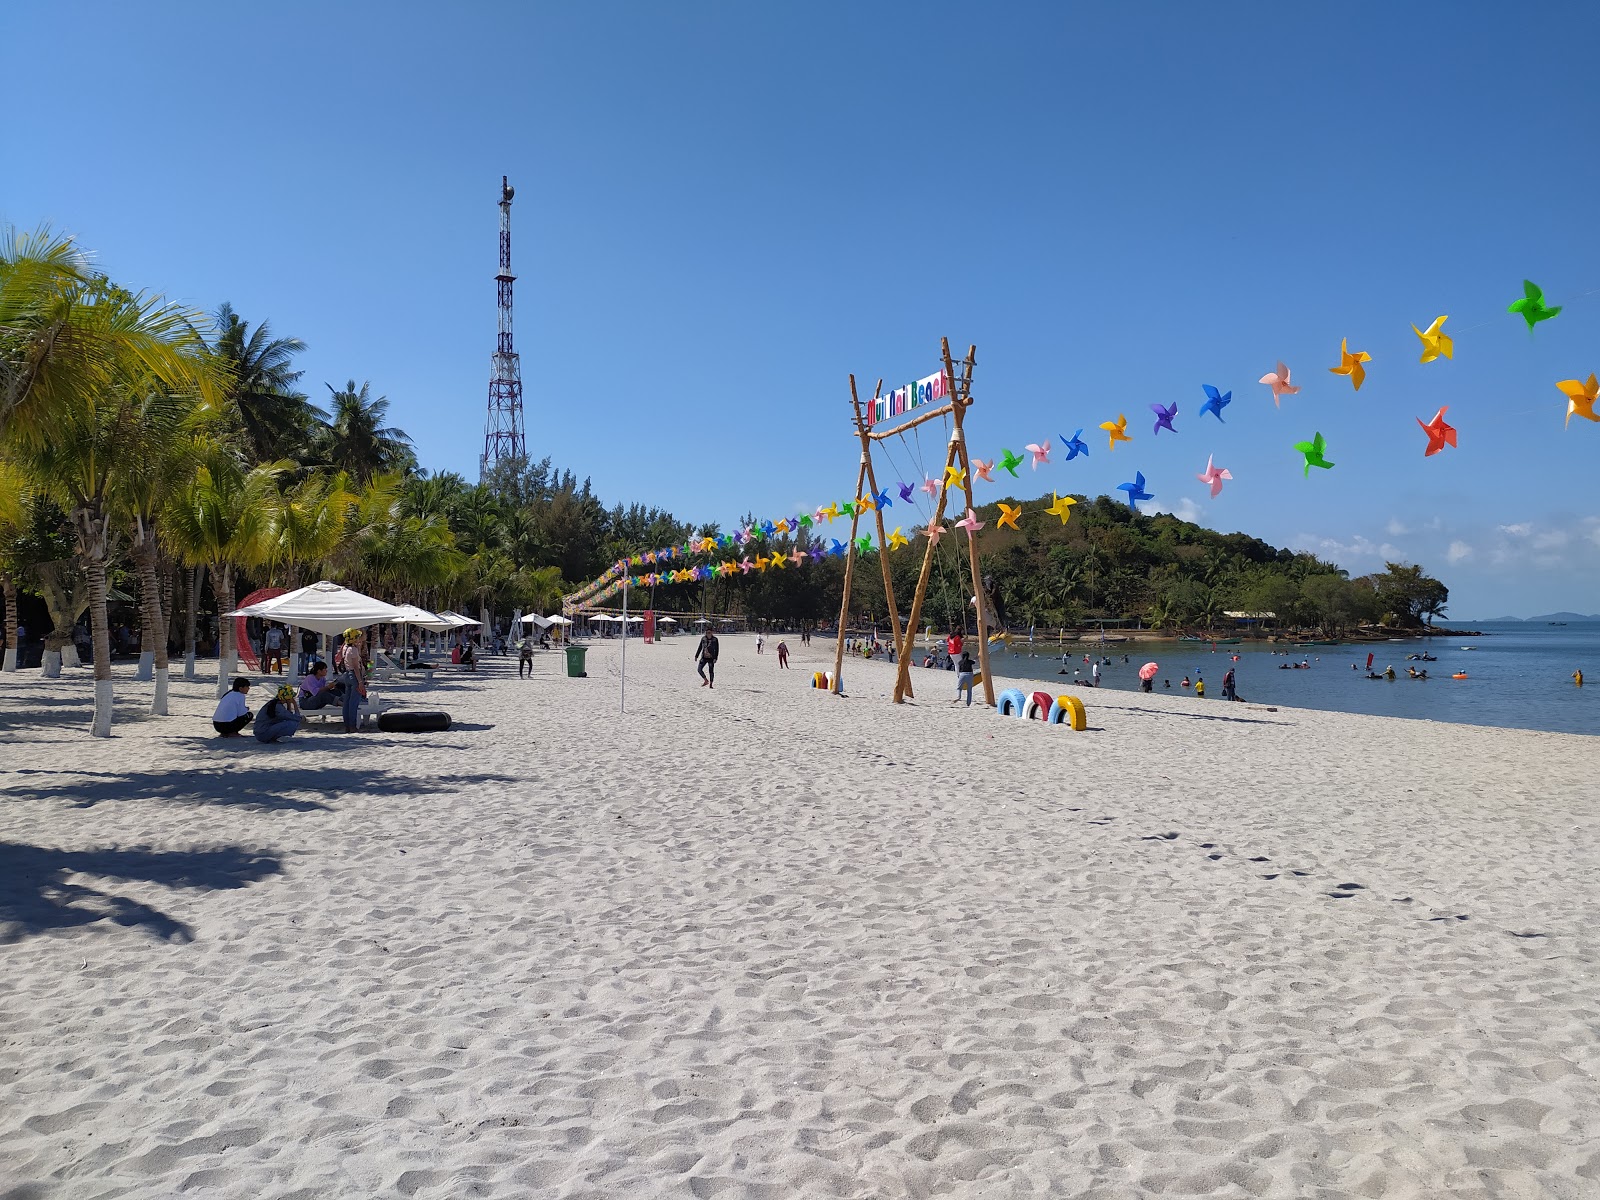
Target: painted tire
<point>1038,706</point>
<point>1012,703</point>
<point>413,722</point>
<point>1068,710</point>
<point>818,679</point>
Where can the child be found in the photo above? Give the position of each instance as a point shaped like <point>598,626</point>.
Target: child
<point>232,713</point>
<point>964,677</point>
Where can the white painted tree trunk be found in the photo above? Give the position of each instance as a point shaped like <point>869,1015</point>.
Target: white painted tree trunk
<point>188,665</point>
<point>158,702</point>
<point>226,669</point>
<point>69,655</point>
<point>10,663</point>
<point>102,708</point>
<point>147,666</point>
<point>50,665</point>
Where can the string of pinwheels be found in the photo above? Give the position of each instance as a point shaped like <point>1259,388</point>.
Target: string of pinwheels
<point>753,543</point>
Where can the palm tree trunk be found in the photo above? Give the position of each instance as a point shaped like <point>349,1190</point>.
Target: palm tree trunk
<point>192,633</point>
<point>93,537</point>
<point>13,650</point>
<point>151,618</point>
<point>227,656</point>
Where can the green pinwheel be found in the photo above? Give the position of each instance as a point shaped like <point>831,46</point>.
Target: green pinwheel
<point>1532,305</point>
<point>1313,450</point>
<point>1010,462</point>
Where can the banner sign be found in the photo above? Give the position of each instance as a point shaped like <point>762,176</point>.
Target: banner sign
<point>904,399</point>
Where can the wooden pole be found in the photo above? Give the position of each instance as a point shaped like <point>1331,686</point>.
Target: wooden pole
<point>849,574</point>
<point>963,400</point>
<point>872,482</point>
<point>902,683</point>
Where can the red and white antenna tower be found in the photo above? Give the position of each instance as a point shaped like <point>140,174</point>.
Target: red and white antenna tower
<point>503,436</point>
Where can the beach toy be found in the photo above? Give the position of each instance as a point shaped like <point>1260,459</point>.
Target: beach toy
<point>1439,434</point>
<point>1011,703</point>
<point>1067,710</point>
<point>1434,341</point>
<point>1164,417</point>
<point>1214,476</point>
<point>1314,451</point>
<point>1135,490</point>
<point>970,522</point>
<point>1581,397</point>
<point>1009,461</point>
<point>906,491</point>
<point>1041,454</point>
<point>933,533</point>
<point>1038,706</point>
<point>897,539</point>
<point>977,678</point>
<point>1215,401</point>
<point>955,476</point>
<point>1459,675</point>
<point>1118,430</point>
<point>1278,381</point>
<point>1148,671</point>
<point>1002,636</point>
<point>1074,446</point>
<point>1061,507</point>
<point>1350,364</point>
<point>1532,305</point>
<point>983,470</point>
<point>1008,516</point>
<point>930,485</point>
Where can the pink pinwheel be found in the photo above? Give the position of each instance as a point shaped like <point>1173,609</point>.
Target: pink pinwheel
<point>982,469</point>
<point>930,486</point>
<point>745,564</point>
<point>933,533</point>
<point>1214,476</point>
<point>1041,454</point>
<point>970,522</point>
<point>1278,381</point>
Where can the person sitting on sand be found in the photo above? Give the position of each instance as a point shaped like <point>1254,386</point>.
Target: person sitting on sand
<point>279,717</point>
<point>232,713</point>
<point>964,678</point>
<point>315,689</point>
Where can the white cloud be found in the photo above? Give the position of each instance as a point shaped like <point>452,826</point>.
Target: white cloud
<point>1185,510</point>
<point>1358,548</point>
<point>1394,528</point>
<point>1458,552</point>
<point>1521,530</point>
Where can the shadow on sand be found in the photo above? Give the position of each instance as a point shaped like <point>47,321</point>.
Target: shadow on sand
<point>265,786</point>
<point>37,895</point>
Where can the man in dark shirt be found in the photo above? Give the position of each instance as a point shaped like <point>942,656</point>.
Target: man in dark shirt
<point>706,655</point>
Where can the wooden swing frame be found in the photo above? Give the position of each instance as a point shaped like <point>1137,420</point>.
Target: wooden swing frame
<point>959,389</point>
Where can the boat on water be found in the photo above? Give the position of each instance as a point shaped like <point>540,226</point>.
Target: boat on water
<point>1334,642</point>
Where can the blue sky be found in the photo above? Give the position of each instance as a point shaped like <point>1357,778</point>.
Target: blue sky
<point>724,208</point>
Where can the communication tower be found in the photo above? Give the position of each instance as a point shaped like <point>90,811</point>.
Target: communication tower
<point>503,436</point>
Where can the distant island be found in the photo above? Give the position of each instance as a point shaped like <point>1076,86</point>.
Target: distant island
<point>1546,618</point>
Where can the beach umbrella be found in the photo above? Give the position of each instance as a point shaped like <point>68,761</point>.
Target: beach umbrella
<point>324,607</point>
<point>1148,671</point>
<point>668,621</point>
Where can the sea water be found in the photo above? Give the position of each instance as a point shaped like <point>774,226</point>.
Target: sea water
<point>1519,674</point>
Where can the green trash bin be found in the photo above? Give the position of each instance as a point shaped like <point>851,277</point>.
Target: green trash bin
<point>575,662</point>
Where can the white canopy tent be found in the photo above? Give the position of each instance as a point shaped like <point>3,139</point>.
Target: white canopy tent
<point>322,607</point>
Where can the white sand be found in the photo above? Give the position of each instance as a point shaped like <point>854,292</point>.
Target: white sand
<point>765,942</point>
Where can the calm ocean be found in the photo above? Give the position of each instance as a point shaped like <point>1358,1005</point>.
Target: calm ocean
<point>1519,675</point>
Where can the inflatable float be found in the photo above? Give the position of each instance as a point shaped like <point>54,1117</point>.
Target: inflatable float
<point>413,722</point>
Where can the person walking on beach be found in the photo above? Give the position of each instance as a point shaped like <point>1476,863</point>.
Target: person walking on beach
<point>761,641</point>
<point>705,655</point>
<point>525,659</point>
<point>352,664</point>
<point>964,677</point>
<point>1228,692</point>
<point>783,656</point>
<point>272,651</point>
<point>233,714</point>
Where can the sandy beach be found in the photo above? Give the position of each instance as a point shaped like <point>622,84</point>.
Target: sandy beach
<point>766,942</point>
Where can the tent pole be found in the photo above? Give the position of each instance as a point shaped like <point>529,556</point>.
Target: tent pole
<point>624,643</point>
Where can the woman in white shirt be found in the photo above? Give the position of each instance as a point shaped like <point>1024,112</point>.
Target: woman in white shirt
<point>232,713</point>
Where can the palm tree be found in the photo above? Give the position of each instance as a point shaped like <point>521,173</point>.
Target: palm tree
<point>305,526</point>
<point>159,448</point>
<point>357,442</point>
<point>218,518</point>
<point>14,487</point>
<point>65,334</point>
<point>274,419</point>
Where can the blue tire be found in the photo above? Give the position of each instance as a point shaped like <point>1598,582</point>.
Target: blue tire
<point>1012,703</point>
